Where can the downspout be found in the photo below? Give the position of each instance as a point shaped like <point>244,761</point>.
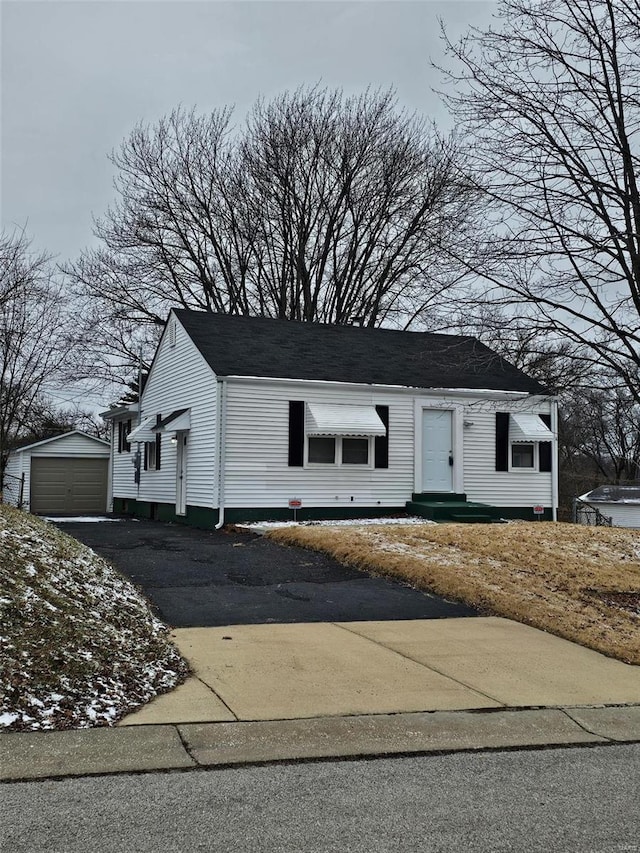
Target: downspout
<point>554,459</point>
<point>138,456</point>
<point>221,449</point>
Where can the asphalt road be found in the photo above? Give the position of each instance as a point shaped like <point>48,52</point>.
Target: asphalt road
<point>203,578</point>
<point>558,800</point>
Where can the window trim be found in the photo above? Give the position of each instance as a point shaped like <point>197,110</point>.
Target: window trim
<point>338,463</point>
<point>152,450</point>
<point>124,428</point>
<point>534,469</point>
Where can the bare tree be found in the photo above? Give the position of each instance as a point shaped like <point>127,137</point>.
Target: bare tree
<point>322,208</point>
<point>19,267</point>
<point>352,202</point>
<point>34,337</point>
<point>604,427</point>
<point>48,419</point>
<point>550,97</point>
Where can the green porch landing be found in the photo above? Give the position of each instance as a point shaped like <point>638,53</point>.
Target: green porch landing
<point>444,506</point>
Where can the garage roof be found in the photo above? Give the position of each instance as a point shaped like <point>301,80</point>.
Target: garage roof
<point>20,448</point>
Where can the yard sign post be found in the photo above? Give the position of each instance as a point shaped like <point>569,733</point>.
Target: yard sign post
<point>538,510</point>
<point>295,504</point>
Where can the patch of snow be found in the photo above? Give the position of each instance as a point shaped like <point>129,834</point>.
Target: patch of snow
<point>263,526</point>
<point>79,518</point>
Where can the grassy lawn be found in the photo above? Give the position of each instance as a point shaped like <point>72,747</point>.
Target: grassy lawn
<point>581,583</point>
<point>79,645</point>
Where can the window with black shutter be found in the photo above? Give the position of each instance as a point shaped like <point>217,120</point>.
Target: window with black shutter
<point>545,448</point>
<point>381,442</point>
<point>502,441</point>
<point>296,433</point>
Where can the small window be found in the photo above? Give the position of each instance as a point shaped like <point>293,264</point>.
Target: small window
<point>355,451</point>
<point>523,456</point>
<point>322,450</point>
<point>150,455</point>
<point>124,428</point>
<point>152,450</point>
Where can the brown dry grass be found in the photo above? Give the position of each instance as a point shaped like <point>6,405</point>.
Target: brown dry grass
<point>581,583</point>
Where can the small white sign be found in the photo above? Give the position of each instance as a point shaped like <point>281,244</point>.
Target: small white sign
<point>295,503</point>
<point>538,510</point>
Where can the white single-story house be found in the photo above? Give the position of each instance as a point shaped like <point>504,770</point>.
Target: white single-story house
<point>621,504</point>
<point>250,417</point>
<point>67,474</point>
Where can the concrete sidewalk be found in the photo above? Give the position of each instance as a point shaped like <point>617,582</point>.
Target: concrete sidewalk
<point>304,691</point>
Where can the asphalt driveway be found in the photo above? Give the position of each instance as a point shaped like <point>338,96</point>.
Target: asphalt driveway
<point>207,578</point>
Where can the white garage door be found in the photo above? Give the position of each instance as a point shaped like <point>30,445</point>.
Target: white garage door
<point>68,485</point>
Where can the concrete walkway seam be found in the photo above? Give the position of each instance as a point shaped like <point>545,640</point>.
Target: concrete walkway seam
<point>217,695</point>
<point>424,665</point>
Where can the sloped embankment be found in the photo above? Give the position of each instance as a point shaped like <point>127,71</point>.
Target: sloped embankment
<point>79,645</point>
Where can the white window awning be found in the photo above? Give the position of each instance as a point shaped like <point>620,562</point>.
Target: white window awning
<point>177,421</point>
<point>143,432</point>
<point>528,428</point>
<point>323,419</point>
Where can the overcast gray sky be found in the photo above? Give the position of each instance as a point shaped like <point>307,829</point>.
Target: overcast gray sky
<point>77,76</point>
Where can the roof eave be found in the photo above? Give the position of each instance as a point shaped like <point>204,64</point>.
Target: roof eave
<point>466,392</point>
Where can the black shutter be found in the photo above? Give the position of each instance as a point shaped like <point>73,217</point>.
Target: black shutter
<point>120,425</point>
<point>158,442</point>
<point>296,433</point>
<point>381,445</point>
<point>127,430</point>
<point>146,455</point>
<point>544,448</point>
<point>502,441</point>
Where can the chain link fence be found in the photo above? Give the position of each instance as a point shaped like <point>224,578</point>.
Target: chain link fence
<point>584,513</point>
<point>12,491</point>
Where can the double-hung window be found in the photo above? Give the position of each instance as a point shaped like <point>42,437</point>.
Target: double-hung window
<point>339,450</point>
<point>341,434</point>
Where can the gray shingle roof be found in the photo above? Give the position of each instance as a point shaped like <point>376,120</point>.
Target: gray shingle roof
<point>261,346</point>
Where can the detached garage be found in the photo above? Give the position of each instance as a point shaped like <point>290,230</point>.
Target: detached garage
<point>64,475</point>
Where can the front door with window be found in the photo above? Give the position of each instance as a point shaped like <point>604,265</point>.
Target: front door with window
<point>181,474</point>
<point>437,450</point>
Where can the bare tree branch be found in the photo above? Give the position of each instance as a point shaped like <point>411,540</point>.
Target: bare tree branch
<point>551,101</point>
<point>322,208</point>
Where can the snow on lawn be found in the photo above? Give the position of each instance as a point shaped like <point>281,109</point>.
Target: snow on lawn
<point>79,645</point>
<point>264,526</point>
<point>581,583</point>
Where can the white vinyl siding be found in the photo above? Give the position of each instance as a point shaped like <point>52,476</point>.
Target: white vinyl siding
<point>621,514</point>
<point>257,473</point>
<point>122,481</point>
<point>481,480</point>
<point>257,470</point>
<point>180,378</point>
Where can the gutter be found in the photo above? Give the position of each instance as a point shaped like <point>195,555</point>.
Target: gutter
<point>221,450</point>
<point>489,393</point>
